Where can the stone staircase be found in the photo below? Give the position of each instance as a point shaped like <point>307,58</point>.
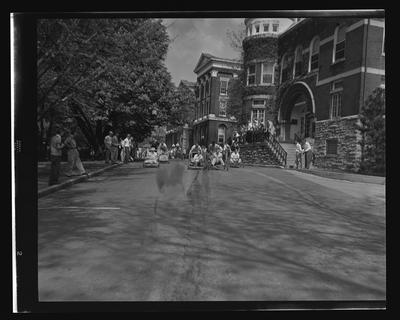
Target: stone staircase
<point>258,153</point>
<point>290,149</point>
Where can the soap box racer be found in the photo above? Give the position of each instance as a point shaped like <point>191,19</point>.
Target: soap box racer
<point>196,159</point>
<point>151,160</point>
<point>215,161</point>
<point>163,154</point>
<point>235,161</point>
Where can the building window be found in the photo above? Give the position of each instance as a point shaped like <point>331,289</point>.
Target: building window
<point>258,116</point>
<point>336,99</point>
<point>275,27</point>
<point>251,74</point>
<point>298,61</point>
<point>223,87</point>
<point>331,146</point>
<point>258,103</point>
<point>221,134</point>
<point>266,27</point>
<point>314,55</point>
<point>339,43</point>
<point>222,108</point>
<point>257,28</point>
<point>267,73</point>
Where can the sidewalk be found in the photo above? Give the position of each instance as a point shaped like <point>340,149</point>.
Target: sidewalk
<point>352,177</point>
<point>91,167</point>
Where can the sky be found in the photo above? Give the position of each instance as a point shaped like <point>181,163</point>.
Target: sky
<point>192,37</point>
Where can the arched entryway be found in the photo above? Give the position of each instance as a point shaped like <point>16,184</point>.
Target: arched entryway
<point>297,113</point>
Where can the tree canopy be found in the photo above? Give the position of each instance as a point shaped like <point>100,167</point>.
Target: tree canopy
<point>101,73</point>
<point>372,129</point>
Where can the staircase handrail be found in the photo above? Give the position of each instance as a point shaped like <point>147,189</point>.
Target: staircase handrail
<point>279,151</point>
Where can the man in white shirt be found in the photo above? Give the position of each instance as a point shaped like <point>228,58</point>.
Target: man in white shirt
<point>226,154</point>
<point>126,144</point>
<point>308,154</point>
<point>299,153</point>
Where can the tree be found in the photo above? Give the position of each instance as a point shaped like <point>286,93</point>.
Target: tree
<point>372,129</point>
<point>236,89</point>
<point>183,107</point>
<point>236,38</point>
<point>103,73</point>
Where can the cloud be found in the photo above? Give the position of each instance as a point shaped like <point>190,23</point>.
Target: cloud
<point>193,37</point>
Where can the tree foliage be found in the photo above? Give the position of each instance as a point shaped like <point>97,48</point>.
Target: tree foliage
<point>236,91</point>
<point>103,73</point>
<point>372,129</point>
<point>182,111</point>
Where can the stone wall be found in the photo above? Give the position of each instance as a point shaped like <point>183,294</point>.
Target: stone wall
<point>348,149</point>
<point>258,153</point>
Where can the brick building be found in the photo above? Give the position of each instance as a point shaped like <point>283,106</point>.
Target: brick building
<point>327,69</point>
<point>211,121</point>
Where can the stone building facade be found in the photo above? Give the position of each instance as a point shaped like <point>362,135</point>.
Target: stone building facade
<point>260,61</point>
<point>327,69</point>
<point>212,121</point>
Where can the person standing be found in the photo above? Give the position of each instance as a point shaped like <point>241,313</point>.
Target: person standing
<point>299,154</point>
<point>121,149</point>
<point>55,156</point>
<point>132,149</point>
<point>308,154</point>
<point>126,144</point>
<point>114,148</point>
<point>227,156</point>
<point>108,146</point>
<point>74,160</point>
<point>271,128</point>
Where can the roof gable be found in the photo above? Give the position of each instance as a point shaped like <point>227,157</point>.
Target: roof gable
<point>204,59</point>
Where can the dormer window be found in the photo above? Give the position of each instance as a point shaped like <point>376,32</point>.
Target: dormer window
<point>257,28</point>
<point>266,27</point>
<point>275,27</point>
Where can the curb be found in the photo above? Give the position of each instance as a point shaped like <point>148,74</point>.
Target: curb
<point>342,176</point>
<point>70,182</point>
<point>263,165</point>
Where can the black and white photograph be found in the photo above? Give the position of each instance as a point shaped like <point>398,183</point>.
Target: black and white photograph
<point>176,158</point>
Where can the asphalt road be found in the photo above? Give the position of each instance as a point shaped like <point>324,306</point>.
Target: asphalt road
<point>172,234</point>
